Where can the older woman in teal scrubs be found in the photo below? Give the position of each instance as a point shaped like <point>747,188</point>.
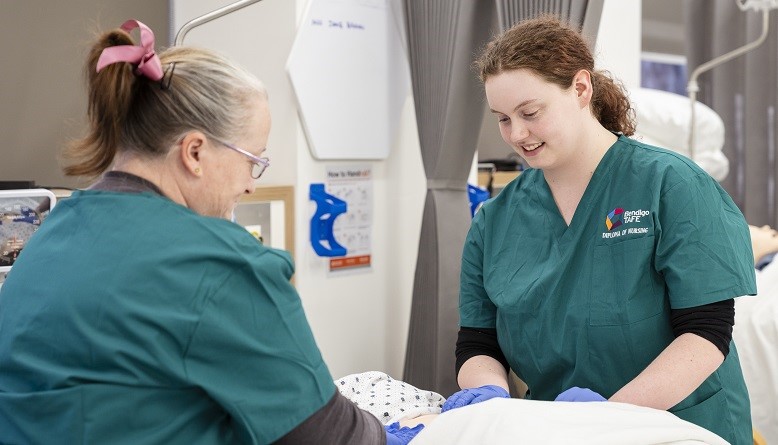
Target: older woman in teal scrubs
<point>608,269</point>
<point>138,313</point>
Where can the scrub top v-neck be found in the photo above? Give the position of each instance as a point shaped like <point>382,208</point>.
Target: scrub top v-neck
<point>589,304</point>
<point>543,198</point>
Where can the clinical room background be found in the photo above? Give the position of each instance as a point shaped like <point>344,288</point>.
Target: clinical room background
<point>360,320</point>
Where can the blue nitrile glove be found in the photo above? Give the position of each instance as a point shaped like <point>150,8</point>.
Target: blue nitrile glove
<point>401,436</point>
<point>470,396</point>
<point>576,394</point>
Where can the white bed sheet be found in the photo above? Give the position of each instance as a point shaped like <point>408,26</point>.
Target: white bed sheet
<point>517,422</point>
<point>756,338</point>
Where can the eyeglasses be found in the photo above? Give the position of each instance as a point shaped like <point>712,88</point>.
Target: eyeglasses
<point>258,165</point>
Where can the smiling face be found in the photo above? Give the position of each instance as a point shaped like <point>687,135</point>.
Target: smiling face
<point>227,173</point>
<point>539,120</point>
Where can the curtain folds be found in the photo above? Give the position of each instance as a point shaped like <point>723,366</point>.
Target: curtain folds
<point>743,91</point>
<point>443,37</point>
<point>512,11</point>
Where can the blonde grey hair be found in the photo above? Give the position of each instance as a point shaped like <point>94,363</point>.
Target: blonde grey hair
<point>201,90</point>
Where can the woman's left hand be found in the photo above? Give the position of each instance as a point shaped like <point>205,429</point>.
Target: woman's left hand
<point>470,396</point>
<point>576,394</point>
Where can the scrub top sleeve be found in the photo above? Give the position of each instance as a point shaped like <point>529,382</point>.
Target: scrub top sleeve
<point>476,310</point>
<point>703,247</point>
<point>254,354</point>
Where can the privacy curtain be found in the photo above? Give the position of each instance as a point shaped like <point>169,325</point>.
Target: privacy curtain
<point>444,37</point>
<point>512,11</point>
<point>744,92</point>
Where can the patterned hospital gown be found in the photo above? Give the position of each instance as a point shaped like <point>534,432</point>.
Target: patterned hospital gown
<point>386,398</point>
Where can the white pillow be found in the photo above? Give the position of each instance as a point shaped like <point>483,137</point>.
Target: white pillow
<point>663,120</point>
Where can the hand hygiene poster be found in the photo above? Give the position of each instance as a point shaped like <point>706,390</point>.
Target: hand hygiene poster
<point>353,229</point>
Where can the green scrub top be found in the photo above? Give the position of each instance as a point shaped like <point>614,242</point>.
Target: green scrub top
<point>129,319</point>
<point>589,304</point>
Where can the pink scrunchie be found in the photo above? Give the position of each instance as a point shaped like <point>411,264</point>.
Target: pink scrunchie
<point>143,55</point>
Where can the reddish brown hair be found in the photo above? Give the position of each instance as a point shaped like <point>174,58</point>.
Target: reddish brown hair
<point>556,51</point>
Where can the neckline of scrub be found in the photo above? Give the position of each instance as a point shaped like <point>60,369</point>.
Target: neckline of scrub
<point>545,199</point>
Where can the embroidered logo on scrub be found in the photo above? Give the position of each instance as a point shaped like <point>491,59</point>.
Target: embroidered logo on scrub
<point>613,219</point>
<point>618,217</point>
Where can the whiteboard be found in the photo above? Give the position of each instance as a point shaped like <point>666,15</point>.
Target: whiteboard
<point>350,74</point>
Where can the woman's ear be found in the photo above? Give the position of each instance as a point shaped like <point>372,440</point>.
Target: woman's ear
<point>582,82</point>
<point>192,146</point>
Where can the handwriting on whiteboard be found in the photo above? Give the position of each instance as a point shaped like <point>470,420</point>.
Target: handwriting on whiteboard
<point>338,24</point>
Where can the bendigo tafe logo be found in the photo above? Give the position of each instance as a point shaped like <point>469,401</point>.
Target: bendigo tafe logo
<point>614,218</point>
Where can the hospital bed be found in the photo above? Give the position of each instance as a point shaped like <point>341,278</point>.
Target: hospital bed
<point>517,421</point>
<point>756,338</point>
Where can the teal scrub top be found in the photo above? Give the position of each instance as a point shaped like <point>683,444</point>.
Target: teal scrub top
<point>129,319</point>
<point>589,304</point>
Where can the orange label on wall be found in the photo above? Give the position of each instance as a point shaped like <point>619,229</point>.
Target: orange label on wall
<point>349,262</point>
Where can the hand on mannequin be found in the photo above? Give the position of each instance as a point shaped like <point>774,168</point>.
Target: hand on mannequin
<point>471,396</point>
<point>576,394</point>
<point>401,436</point>
<point>425,420</point>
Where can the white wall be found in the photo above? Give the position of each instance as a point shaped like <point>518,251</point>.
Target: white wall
<point>43,99</point>
<point>619,40</point>
<point>258,37</point>
<point>360,320</point>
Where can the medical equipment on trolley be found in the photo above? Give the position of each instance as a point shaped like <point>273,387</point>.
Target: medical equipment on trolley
<point>21,213</point>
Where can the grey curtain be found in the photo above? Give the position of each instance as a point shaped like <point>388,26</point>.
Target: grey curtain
<point>512,11</point>
<point>443,38</point>
<point>743,92</point>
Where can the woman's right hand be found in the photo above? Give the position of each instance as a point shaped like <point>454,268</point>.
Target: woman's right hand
<point>470,396</point>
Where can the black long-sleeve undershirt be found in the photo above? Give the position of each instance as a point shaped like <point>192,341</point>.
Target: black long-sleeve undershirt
<point>712,322</point>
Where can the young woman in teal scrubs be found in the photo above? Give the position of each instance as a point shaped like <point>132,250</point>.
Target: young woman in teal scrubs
<point>608,269</point>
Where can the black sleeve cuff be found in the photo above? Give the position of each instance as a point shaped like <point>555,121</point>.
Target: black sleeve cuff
<point>712,322</point>
<point>478,341</point>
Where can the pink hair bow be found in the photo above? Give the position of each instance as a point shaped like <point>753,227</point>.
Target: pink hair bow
<point>143,55</point>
